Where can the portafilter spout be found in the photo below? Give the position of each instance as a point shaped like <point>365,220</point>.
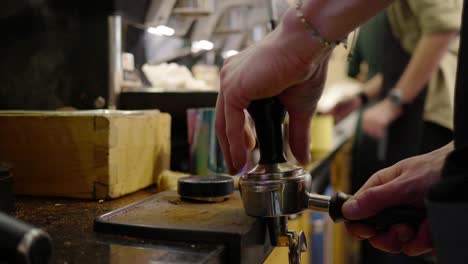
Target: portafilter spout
<point>275,188</point>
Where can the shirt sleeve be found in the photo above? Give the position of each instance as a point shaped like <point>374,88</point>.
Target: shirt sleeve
<point>437,15</point>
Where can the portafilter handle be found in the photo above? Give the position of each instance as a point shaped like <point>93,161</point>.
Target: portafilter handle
<point>268,116</point>
<point>382,221</point>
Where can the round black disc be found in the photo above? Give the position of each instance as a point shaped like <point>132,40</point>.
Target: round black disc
<point>205,186</point>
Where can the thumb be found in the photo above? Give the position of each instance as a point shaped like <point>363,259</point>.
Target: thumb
<point>373,200</point>
<point>378,193</point>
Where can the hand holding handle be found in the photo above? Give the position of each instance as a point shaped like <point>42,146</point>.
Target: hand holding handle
<point>268,116</point>
<point>384,220</point>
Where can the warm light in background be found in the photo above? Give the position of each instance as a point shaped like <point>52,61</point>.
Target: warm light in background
<point>229,53</point>
<point>161,31</point>
<point>200,45</point>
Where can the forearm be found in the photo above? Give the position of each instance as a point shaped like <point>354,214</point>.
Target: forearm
<point>373,87</point>
<point>332,19</point>
<point>423,64</point>
<point>447,148</point>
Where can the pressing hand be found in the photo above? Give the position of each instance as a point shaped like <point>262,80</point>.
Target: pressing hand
<point>273,67</point>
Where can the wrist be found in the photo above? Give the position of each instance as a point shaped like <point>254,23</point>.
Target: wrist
<point>395,96</point>
<point>294,36</point>
<point>394,109</point>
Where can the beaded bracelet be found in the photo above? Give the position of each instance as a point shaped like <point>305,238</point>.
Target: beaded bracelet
<point>327,44</point>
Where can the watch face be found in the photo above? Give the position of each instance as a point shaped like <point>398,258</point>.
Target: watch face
<point>396,97</point>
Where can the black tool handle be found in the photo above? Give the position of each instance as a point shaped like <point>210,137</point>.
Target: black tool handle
<point>23,243</point>
<point>268,116</point>
<point>384,220</point>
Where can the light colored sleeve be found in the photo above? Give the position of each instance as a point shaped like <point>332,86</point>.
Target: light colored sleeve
<point>437,15</point>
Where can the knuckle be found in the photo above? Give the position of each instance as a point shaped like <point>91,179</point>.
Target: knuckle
<point>370,201</point>
<point>387,247</point>
<point>416,250</point>
<point>409,250</point>
<point>224,72</point>
<point>369,195</point>
<point>227,60</point>
<point>401,166</point>
<point>379,177</point>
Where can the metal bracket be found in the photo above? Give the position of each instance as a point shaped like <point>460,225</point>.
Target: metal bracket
<point>297,245</point>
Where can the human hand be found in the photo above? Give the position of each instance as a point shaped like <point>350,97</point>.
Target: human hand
<point>405,183</point>
<point>377,118</point>
<point>273,67</point>
<point>344,107</point>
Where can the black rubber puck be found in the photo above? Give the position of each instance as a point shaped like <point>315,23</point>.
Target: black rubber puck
<point>205,187</point>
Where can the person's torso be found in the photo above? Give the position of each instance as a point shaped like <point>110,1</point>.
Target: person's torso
<point>409,20</point>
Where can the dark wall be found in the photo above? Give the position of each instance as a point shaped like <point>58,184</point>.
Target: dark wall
<point>53,53</point>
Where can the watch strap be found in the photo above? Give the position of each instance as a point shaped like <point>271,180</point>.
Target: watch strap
<point>363,97</point>
<point>396,98</point>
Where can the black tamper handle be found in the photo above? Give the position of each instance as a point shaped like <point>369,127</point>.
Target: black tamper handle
<point>384,220</point>
<point>268,116</point>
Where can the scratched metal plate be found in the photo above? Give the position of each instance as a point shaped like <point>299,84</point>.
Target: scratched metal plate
<point>165,216</point>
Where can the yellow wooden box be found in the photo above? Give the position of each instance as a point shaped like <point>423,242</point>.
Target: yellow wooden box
<point>84,154</point>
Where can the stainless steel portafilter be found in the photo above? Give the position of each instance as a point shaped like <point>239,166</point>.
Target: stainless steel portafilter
<point>276,188</point>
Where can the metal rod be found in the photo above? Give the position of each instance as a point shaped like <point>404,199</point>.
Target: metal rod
<point>271,15</point>
<point>115,61</point>
<point>318,202</point>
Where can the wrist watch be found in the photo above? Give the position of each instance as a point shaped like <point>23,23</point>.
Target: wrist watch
<point>396,97</point>
<point>363,97</point>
